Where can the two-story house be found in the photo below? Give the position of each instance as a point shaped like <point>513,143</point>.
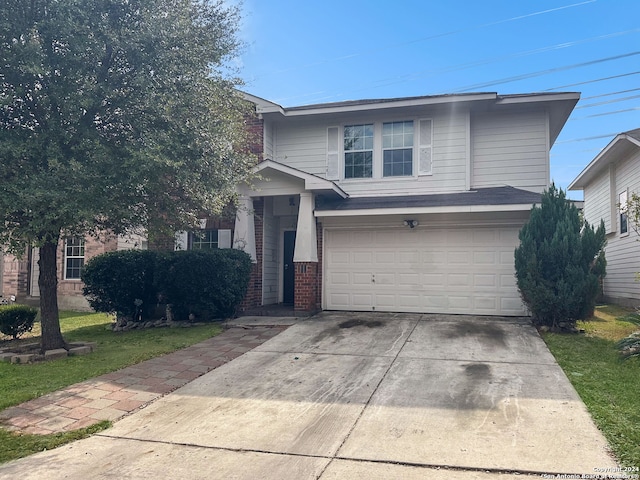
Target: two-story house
<point>399,205</point>
<point>608,183</point>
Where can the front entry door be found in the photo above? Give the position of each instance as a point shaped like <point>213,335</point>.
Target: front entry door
<point>288,274</point>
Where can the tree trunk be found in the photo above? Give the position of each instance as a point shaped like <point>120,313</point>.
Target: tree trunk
<point>48,282</point>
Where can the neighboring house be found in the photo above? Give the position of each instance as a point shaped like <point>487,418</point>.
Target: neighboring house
<point>399,205</point>
<point>19,276</point>
<point>608,182</point>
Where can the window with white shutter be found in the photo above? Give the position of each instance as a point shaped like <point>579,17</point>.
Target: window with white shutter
<point>333,153</point>
<point>425,148</point>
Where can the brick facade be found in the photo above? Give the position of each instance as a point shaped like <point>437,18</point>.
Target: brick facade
<point>306,286</point>
<point>16,277</point>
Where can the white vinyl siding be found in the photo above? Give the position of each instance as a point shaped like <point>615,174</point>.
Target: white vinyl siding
<point>269,255</point>
<point>598,206</point>
<point>622,251</point>
<point>422,270</point>
<point>510,149</point>
<point>303,146</point>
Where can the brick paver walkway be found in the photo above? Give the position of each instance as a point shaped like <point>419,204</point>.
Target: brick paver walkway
<point>116,394</point>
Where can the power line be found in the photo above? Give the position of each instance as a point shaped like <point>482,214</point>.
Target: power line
<point>611,93</point>
<point>606,113</point>
<point>591,81</point>
<point>607,102</point>
<point>540,73</point>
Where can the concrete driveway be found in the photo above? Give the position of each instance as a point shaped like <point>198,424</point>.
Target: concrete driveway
<point>357,396</point>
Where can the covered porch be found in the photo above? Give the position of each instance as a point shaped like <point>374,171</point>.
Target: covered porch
<point>276,226</point>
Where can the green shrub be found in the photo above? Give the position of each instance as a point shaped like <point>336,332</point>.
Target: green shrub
<point>630,346</point>
<point>15,320</point>
<point>204,284</point>
<point>559,262</point>
<point>122,282</point>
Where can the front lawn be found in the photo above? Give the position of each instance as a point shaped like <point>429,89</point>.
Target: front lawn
<point>19,383</point>
<point>608,385</point>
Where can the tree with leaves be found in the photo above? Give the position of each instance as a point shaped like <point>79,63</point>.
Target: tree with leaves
<point>114,115</point>
<point>559,262</point>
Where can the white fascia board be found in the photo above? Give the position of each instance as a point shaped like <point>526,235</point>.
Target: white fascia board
<point>415,102</point>
<point>421,210</point>
<point>598,163</point>
<point>537,97</point>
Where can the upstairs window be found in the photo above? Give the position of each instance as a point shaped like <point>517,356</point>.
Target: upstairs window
<point>358,151</point>
<point>73,258</point>
<point>397,149</point>
<point>377,150</point>
<point>624,220</point>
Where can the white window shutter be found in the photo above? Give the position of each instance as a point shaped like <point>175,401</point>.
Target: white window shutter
<point>333,153</point>
<point>424,148</point>
<point>182,240</point>
<point>224,238</point>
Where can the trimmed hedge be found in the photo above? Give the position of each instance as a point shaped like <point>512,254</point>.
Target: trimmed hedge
<point>198,284</point>
<point>122,282</point>
<point>204,284</point>
<point>15,320</point>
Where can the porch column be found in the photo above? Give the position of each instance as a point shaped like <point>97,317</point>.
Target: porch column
<point>306,248</point>
<point>305,257</point>
<point>244,233</point>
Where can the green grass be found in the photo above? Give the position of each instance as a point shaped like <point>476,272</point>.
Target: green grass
<point>608,385</point>
<point>19,383</point>
<point>14,446</point>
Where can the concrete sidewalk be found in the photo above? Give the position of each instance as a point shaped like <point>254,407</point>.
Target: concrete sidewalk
<point>115,395</point>
<point>357,396</point>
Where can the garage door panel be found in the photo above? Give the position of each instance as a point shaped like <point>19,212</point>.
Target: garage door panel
<point>362,299</point>
<point>484,258</point>
<point>338,257</point>
<point>384,257</point>
<point>485,280</point>
<point>458,257</point>
<point>458,280</point>
<point>456,270</point>
<point>433,279</point>
<point>361,279</point>
<point>340,278</point>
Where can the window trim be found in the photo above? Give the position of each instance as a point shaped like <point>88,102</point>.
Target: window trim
<point>194,240</point>
<point>622,212</point>
<point>68,257</point>
<point>377,171</point>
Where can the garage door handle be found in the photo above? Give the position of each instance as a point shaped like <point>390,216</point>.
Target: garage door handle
<point>373,279</point>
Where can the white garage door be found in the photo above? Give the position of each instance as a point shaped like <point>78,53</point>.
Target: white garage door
<point>453,270</point>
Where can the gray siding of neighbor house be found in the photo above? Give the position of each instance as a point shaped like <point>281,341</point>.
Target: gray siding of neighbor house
<point>510,149</point>
<point>623,251</point>
<point>599,205</point>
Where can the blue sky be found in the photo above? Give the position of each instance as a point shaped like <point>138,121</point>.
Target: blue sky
<point>299,53</point>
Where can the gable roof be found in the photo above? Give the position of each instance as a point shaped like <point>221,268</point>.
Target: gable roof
<point>478,200</point>
<point>620,146</point>
<point>311,182</point>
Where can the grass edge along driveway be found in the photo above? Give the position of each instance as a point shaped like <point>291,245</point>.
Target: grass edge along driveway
<point>608,385</point>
